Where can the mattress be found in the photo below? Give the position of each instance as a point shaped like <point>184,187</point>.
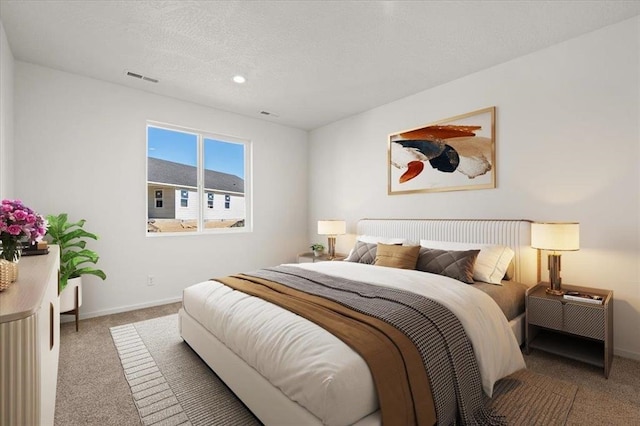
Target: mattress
<point>317,370</point>
<point>509,296</point>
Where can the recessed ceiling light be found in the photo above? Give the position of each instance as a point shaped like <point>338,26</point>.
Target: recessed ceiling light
<point>239,79</point>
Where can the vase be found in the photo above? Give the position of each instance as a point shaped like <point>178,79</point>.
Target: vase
<point>11,249</point>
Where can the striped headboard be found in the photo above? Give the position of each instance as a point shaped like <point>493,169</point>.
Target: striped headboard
<point>515,234</point>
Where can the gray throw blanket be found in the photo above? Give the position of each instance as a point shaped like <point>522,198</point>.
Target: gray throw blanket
<point>446,352</point>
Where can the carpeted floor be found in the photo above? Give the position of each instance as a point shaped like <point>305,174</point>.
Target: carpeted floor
<point>92,389</point>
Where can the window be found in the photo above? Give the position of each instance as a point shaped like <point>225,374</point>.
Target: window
<point>159,199</point>
<point>185,170</point>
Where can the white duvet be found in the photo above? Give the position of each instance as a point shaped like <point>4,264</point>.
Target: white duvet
<point>320,372</point>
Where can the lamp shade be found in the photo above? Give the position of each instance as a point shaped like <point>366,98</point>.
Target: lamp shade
<point>555,236</point>
<point>332,227</point>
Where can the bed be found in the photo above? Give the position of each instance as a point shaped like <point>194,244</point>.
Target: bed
<point>240,361</point>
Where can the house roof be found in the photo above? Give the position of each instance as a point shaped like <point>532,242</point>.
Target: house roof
<point>176,174</point>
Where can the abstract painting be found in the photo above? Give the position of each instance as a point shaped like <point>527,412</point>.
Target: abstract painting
<point>449,155</point>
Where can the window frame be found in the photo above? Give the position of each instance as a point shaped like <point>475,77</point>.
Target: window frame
<point>201,191</point>
<point>156,199</point>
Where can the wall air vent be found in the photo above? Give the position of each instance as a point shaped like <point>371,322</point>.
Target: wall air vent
<point>142,77</point>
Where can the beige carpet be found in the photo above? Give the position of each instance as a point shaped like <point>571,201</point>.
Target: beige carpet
<point>92,389</point>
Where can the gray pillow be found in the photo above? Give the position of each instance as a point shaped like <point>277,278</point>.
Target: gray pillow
<point>454,264</point>
<point>363,253</point>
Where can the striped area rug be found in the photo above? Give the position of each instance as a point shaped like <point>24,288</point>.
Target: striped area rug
<point>528,398</point>
<point>171,385</point>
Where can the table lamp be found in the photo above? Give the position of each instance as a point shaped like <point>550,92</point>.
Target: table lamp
<point>555,237</point>
<point>332,228</point>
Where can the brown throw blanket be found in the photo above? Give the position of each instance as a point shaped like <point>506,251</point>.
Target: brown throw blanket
<point>419,356</point>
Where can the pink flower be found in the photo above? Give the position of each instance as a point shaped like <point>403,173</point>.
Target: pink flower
<point>7,207</point>
<point>31,218</point>
<point>14,229</point>
<point>20,214</point>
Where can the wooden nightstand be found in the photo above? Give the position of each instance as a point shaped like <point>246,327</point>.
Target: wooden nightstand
<point>578,330</point>
<point>311,258</point>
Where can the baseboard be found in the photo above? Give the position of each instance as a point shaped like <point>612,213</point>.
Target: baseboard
<point>87,315</point>
<point>627,354</point>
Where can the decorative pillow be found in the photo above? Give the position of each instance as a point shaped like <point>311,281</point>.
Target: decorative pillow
<point>362,253</point>
<point>394,256</point>
<point>370,239</point>
<point>492,261</point>
<point>453,264</point>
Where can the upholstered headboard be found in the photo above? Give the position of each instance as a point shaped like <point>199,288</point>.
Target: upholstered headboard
<point>515,234</point>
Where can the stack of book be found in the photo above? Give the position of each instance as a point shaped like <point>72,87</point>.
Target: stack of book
<point>583,297</point>
<point>35,249</point>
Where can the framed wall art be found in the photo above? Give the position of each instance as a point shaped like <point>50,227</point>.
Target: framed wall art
<point>453,154</point>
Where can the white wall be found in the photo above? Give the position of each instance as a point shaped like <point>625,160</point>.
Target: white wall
<point>81,149</point>
<point>568,149</point>
<point>6,116</point>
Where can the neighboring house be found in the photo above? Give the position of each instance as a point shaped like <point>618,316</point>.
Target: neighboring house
<point>172,192</point>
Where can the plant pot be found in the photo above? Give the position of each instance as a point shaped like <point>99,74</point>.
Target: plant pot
<point>8,273</point>
<point>68,295</point>
<point>318,253</point>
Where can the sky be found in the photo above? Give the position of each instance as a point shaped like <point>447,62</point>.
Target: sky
<point>179,147</point>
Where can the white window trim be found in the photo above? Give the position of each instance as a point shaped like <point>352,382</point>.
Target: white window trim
<point>248,179</point>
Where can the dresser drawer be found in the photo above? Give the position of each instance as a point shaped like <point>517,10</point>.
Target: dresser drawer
<point>545,313</point>
<point>584,320</point>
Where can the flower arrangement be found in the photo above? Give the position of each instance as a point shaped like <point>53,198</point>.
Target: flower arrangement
<point>18,223</point>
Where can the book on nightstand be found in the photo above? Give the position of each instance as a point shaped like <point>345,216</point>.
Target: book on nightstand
<point>583,297</point>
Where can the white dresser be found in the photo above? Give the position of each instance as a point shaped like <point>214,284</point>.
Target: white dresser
<point>30,343</point>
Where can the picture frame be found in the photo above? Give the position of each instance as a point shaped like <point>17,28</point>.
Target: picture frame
<point>453,154</point>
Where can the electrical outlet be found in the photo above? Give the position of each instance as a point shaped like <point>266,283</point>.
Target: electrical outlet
<point>151,280</point>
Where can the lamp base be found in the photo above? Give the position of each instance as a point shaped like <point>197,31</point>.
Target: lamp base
<point>549,290</point>
<point>332,246</point>
<point>555,281</point>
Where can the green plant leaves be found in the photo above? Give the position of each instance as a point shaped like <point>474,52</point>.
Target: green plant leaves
<point>70,237</point>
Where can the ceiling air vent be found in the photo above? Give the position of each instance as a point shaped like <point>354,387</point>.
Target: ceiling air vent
<point>142,77</point>
<point>270,114</point>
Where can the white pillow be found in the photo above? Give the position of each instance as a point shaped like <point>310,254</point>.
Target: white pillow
<point>492,261</point>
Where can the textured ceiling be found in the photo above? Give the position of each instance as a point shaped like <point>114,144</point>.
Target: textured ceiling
<point>309,62</point>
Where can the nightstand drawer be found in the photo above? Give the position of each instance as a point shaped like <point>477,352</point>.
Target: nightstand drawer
<point>583,320</point>
<point>545,313</point>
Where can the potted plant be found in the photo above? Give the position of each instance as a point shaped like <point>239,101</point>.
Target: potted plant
<point>73,255</point>
<point>317,249</point>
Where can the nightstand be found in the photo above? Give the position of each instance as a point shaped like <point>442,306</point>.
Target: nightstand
<point>311,258</point>
<point>577,330</point>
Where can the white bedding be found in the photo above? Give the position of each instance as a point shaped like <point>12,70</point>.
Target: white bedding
<point>319,371</point>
